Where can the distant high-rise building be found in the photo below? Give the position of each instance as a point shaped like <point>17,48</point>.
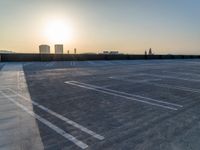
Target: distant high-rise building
<point>58,49</point>
<point>68,52</point>
<point>74,50</point>
<point>44,49</point>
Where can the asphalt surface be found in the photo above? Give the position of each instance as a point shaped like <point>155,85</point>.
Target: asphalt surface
<point>115,105</point>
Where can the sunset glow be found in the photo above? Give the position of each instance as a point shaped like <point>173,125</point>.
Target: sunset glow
<point>92,26</point>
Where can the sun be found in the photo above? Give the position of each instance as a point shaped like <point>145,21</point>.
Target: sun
<point>58,31</point>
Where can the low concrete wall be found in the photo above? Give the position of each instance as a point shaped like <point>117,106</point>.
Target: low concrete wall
<point>82,57</point>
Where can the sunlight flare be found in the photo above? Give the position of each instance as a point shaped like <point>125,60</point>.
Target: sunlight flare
<point>59,31</point>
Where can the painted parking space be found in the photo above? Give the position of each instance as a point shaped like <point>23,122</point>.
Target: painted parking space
<point>105,104</point>
<point>150,101</point>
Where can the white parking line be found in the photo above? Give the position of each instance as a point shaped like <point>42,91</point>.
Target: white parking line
<point>108,62</point>
<point>84,129</point>
<point>159,85</point>
<point>128,76</point>
<point>91,63</point>
<point>171,77</point>
<point>136,81</point>
<point>118,62</point>
<point>194,62</point>
<point>50,64</point>
<point>49,124</point>
<point>177,87</point>
<point>183,73</point>
<point>133,97</point>
<point>138,96</point>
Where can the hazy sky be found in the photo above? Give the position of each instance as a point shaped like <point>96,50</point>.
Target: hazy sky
<point>130,26</point>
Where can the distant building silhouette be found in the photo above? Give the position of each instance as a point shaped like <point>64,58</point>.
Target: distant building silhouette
<point>74,50</point>
<point>106,52</point>
<point>150,52</point>
<point>58,49</point>
<point>68,52</point>
<point>110,52</point>
<point>6,52</point>
<point>114,52</point>
<point>145,53</point>
<point>44,49</point>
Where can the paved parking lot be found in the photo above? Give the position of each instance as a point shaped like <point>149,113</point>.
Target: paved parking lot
<point>97,105</point>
